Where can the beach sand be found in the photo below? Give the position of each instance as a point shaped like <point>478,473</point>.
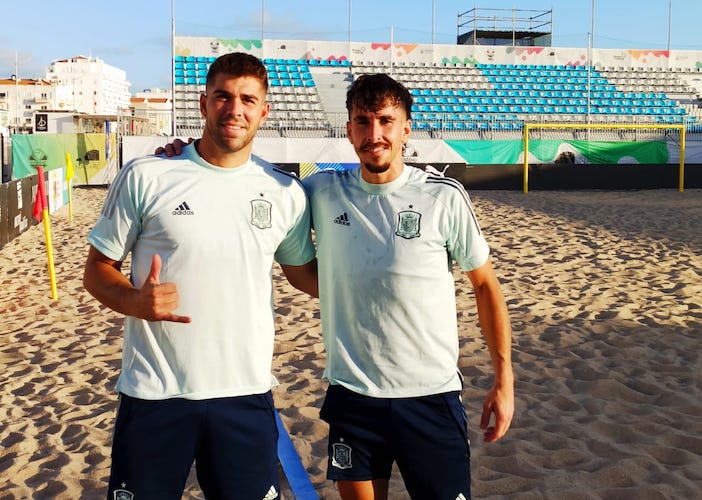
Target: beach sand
<point>605,295</point>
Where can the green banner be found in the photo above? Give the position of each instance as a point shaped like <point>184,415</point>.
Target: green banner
<point>87,151</point>
<point>487,152</point>
<point>597,152</point>
<point>552,151</point>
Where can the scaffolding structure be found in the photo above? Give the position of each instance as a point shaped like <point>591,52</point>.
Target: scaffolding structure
<point>515,27</point>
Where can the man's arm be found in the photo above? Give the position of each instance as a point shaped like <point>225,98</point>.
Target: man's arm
<point>303,277</point>
<point>495,326</point>
<point>154,301</point>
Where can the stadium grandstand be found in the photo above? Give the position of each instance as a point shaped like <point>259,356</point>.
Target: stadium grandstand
<point>499,75</point>
<point>474,97</point>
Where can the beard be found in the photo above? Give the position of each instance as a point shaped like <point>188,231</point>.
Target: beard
<point>376,169</point>
<point>375,166</point>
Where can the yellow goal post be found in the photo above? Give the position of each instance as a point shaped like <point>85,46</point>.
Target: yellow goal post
<point>604,126</point>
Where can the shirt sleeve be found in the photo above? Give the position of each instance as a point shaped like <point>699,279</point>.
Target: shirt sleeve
<point>297,247</point>
<point>465,241</point>
<point>119,223</point>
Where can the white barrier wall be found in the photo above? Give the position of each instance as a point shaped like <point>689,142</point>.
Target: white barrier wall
<point>280,151</point>
<point>408,53</point>
<point>277,150</point>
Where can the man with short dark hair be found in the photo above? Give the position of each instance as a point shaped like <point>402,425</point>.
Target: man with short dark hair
<point>387,235</point>
<point>203,230</point>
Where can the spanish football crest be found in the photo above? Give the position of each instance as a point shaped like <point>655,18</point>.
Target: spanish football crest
<point>261,214</point>
<point>341,456</point>
<point>408,224</point>
<point>123,495</point>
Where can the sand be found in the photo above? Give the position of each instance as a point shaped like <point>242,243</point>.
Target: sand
<point>605,295</point>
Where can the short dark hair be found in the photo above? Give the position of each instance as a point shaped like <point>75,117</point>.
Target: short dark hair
<point>372,92</point>
<point>239,64</point>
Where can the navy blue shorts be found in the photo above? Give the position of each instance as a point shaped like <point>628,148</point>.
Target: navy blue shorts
<point>426,436</point>
<point>233,442</point>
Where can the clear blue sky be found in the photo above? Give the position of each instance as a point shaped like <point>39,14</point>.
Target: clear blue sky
<point>135,35</point>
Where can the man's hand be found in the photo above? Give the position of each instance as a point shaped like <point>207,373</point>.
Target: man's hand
<point>494,324</point>
<point>157,300</point>
<point>174,148</point>
<point>500,402</point>
<point>154,301</point>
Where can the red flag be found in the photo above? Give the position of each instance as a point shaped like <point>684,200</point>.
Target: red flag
<point>40,200</point>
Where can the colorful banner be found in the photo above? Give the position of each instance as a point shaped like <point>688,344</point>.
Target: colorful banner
<point>49,150</point>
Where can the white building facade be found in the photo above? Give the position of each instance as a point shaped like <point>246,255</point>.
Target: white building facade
<point>155,107</point>
<point>89,85</point>
<point>21,98</point>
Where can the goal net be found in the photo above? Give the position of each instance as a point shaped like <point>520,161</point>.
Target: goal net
<point>598,143</point>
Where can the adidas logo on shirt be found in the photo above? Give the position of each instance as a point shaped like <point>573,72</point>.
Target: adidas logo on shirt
<point>271,494</point>
<point>183,209</point>
<point>343,219</point>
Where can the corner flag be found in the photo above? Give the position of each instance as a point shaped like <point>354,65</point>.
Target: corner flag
<point>40,199</point>
<point>40,211</point>
<point>69,167</point>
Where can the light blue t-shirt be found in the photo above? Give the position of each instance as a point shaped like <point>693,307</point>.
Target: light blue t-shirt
<point>387,294</point>
<point>217,231</point>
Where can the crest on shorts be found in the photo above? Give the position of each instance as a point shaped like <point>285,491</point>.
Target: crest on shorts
<point>341,456</point>
<point>123,495</point>
<point>261,214</point>
<point>408,224</point>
